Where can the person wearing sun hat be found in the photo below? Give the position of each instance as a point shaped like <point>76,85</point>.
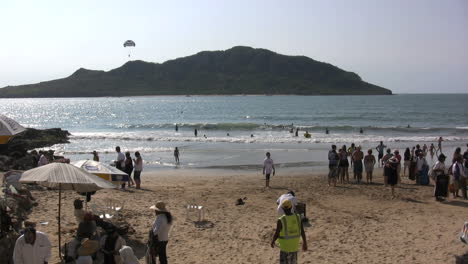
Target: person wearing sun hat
<point>160,232</point>
<point>288,232</point>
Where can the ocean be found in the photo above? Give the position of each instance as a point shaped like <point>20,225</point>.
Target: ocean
<point>240,129</point>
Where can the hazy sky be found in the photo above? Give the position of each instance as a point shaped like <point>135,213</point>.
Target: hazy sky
<point>408,46</point>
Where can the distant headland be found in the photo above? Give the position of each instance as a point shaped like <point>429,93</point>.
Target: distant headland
<point>239,70</point>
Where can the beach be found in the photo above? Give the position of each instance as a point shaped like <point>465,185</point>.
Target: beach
<point>347,224</point>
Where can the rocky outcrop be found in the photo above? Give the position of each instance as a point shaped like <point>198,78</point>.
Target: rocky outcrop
<point>15,155</point>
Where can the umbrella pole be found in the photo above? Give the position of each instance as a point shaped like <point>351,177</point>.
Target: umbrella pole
<point>59,211</point>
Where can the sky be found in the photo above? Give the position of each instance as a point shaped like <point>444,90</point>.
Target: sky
<point>417,46</point>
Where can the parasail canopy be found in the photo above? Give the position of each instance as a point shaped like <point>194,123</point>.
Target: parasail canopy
<point>129,43</point>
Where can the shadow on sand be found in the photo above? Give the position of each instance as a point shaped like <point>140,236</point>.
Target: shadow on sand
<point>457,203</point>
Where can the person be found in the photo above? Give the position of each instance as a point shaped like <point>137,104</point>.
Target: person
<point>160,232</point>
<point>384,161</point>
<point>288,231</point>
<point>432,150</point>
<point>176,155</point>
<point>439,144</point>
<point>422,169</point>
<point>42,159</point>
<point>128,169</point>
<point>297,132</point>
<point>456,154</point>
<point>33,247</point>
<point>88,227</point>
<point>326,131</point>
<point>176,128</point>
<point>95,156</point>
<point>111,243</point>
<point>343,164</point>
<point>138,169</point>
<point>369,163</point>
<point>380,149</point>
<point>361,131</point>
<point>391,173</point>
<point>358,155</point>
<point>459,177</point>
<point>290,195</point>
<point>424,148</point>
<point>78,212</point>
<point>332,166</point>
<point>396,154</point>
<point>406,161</point>
<point>350,153</point>
<point>120,162</point>
<point>307,134</point>
<point>268,168</point>
<point>440,178</point>
<point>465,156</point>
<point>86,250</point>
<point>128,256</point>
<point>195,132</point>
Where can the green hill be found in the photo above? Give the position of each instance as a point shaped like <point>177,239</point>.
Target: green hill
<point>239,70</point>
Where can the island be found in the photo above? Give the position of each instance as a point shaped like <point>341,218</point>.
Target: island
<point>239,70</point>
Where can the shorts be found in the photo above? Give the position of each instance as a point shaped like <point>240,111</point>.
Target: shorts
<point>344,163</point>
<point>333,173</point>
<point>136,175</point>
<point>380,156</point>
<point>288,257</point>
<point>267,176</point>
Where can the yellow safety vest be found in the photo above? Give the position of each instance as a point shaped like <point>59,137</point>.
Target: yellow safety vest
<point>290,233</point>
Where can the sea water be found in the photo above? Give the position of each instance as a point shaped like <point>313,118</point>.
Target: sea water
<point>236,131</point>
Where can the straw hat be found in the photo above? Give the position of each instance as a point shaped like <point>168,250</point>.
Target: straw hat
<point>88,247</point>
<point>286,204</point>
<point>160,206</point>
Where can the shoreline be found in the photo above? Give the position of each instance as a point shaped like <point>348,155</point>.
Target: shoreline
<point>354,223</point>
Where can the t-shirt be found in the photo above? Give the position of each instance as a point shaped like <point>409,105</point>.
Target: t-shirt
<point>37,253</point>
<point>268,165</point>
<point>121,158</point>
<point>286,196</point>
<point>380,148</point>
<point>439,166</point>
<point>333,158</point>
<point>420,162</point>
<point>161,227</point>
<point>43,161</point>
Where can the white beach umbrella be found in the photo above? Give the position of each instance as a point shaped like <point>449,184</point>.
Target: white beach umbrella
<point>8,128</point>
<point>64,177</point>
<point>102,170</point>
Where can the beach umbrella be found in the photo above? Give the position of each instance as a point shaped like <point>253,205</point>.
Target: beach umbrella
<point>64,177</point>
<point>102,170</point>
<point>8,128</point>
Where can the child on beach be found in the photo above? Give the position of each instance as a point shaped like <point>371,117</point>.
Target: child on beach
<point>268,168</point>
<point>369,162</point>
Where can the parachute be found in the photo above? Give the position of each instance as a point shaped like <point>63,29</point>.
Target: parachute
<point>129,44</point>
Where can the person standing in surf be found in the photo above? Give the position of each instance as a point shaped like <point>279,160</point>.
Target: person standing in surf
<point>350,153</point>
<point>369,162</point>
<point>332,166</point>
<point>380,149</point>
<point>439,144</point>
<point>406,161</point>
<point>432,150</point>
<point>176,155</point>
<point>268,169</point>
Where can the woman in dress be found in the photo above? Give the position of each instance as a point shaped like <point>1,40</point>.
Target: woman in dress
<point>441,179</point>
<point>343,164</point>
<point>391,173</point>
<point>138,168</point>
<point>369,163</point>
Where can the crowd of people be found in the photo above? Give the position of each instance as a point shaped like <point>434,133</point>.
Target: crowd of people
<point>451,178</point>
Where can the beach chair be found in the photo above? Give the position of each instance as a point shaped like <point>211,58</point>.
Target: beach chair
<point>199,209</point>
<point>102,211</point>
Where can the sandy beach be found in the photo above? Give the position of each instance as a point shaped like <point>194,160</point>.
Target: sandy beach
<point>348,224</point>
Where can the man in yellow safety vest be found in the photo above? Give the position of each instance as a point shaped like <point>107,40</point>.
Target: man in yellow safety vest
<point>289,229</point>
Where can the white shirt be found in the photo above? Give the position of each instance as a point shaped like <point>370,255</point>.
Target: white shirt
<point>37,253</point>
<point>439,166</point>
<point>420,162</point>
<point>161,227</point>
<point>461,169</point>
<point>286,196</point>
<point>42,161</point>
<point>268,165</point>
<point>121,158</point>
<point>139,166</point>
